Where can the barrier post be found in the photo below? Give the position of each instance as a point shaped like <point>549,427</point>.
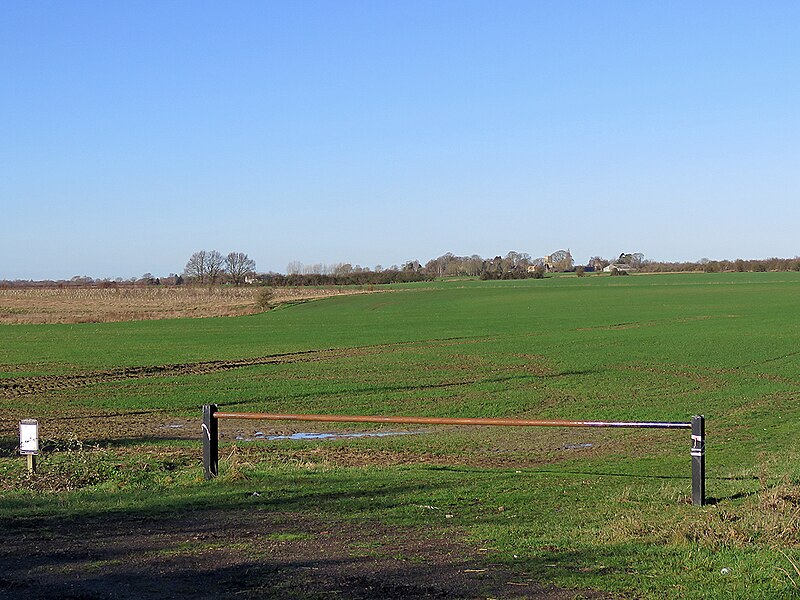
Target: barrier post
<point>698,460</point>
<point>211,417</point>
<point>210,433</point>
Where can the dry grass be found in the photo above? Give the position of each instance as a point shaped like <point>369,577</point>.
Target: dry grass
<point>770,517</point>
<point>102,305</point>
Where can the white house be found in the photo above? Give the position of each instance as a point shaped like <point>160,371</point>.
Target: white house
<point>619,267</point>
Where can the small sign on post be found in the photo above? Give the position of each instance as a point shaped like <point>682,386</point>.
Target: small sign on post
<point>29,441</point>
<point>698,460</point>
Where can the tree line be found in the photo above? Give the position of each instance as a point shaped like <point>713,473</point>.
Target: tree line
<point>514,265</point>
<point>363,277</point>
<point>738,265</point>
<point>237,268</point>
<point>211,267</point>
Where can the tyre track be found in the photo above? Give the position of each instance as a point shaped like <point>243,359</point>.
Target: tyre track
<point>24,386</point>
<point>39,384</point>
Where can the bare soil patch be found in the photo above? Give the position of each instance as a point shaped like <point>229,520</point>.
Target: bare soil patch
<point>248,550</point>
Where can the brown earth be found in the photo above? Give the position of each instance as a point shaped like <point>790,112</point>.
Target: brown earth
<point>98,305</point>
<point>251,551</point>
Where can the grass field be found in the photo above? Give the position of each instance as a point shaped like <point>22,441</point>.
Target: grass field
<point>119,406</point>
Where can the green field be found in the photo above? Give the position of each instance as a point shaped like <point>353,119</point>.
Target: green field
<point>602,509</point>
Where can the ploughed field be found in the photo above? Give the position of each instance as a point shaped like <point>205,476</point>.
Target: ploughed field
<point>28,305</point>
<point>119,507</point>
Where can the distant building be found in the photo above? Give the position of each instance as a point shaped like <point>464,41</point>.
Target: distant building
<point>619,267</point>
<point>560,260</point>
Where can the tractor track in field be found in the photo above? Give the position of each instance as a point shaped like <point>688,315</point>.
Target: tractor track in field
<point>38,384</point>
<point>24,386</point>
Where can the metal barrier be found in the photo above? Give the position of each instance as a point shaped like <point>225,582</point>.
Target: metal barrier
<point>211,416</point>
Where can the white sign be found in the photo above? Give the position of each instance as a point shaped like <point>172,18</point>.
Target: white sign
<point>29,436</point>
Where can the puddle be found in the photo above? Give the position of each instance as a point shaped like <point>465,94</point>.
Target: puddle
<point>577,446</point>
<point>260,435</point>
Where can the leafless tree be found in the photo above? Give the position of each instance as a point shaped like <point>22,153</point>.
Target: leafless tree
<point>343,269</point>
<point>598,263</point>
<point>562,260</point>
<point>214,264</point>
<point>313,269</point>
<point>197,267</point>
<point>519,260</point>
<point>636,259</point>
<point>238,265</point>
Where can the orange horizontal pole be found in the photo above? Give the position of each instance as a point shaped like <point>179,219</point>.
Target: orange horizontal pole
<point>448,421</point>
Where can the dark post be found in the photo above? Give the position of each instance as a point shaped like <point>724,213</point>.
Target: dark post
<point>210,441</point>
<point>698,460</point>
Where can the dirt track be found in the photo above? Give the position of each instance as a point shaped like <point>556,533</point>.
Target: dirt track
<point>247,550</point>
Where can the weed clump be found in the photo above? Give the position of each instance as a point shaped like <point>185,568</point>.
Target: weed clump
<point>769,518</point>
<point>264,298</point>
<point>68,465</point>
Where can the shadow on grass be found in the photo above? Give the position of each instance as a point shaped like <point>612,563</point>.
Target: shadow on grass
<point>687,477</point>
<point>108,415</point>
<point>737,496</point>
<point>156,440</point>
<point>355,391</point>
<point>9,446</point>
<point>155,411</point>
<point>232,541</point>
<point>342,576</point>
<point>582,473</point>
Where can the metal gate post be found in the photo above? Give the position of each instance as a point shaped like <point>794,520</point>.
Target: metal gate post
<point>698,460</point>
<point>210,441</point>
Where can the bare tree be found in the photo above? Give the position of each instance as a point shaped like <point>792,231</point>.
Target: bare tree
<point>519,260</point>
<point>562,260</point>
<point>238,265</point>
<point>636,259</point>
<point>343,269</point>
<point>474,264</point>
<point>598,263</point>
<point>214,264</point>
<point>197,267</point>
<point>312,269</point>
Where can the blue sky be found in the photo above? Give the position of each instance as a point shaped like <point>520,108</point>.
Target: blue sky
<point>135,133</point>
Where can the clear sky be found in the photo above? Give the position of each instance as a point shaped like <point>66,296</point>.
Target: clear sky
<point>374,132</point>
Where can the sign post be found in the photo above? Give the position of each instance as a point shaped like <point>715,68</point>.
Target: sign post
<point>698,460</point>
<point>29,441</point>
<point>210,433</point>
